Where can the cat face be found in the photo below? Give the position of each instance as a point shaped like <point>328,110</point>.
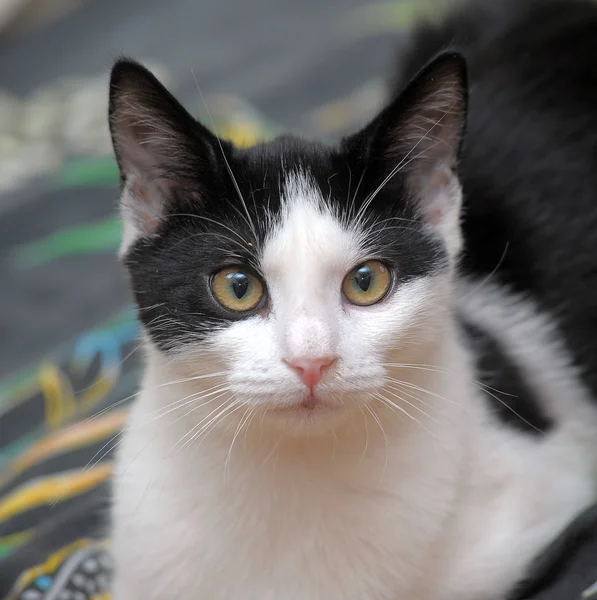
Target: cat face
<point>302,271</point>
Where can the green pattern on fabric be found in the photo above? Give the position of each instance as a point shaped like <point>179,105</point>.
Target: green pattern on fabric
<point>91,171</point>
<point>87,239</point>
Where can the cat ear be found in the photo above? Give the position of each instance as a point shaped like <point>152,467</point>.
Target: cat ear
<point>159,147</point>
<point>420,134</point>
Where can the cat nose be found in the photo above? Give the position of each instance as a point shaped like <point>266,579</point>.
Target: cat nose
<point>311,370</point>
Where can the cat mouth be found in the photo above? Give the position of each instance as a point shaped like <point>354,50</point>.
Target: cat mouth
<point>309,404</point>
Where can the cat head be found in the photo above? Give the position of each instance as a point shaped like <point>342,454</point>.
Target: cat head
<point>303,271</point>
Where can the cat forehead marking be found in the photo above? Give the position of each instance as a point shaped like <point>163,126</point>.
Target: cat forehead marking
<point>308,235</point>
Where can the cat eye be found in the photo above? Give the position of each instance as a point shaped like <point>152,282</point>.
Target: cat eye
<point>237,290</point>
<point>367,284</point>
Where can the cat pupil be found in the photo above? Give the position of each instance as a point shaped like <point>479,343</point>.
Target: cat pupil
<point>363,278</point>
<point>239,283</point>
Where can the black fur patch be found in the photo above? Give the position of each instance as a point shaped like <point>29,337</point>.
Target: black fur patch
<point>504,387</point>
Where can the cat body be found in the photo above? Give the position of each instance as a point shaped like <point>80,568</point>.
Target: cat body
<point>361,381</point>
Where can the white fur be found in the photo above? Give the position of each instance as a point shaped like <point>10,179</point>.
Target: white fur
<point>142,207</point>
<point>441,199</point>
<point>221,495</point>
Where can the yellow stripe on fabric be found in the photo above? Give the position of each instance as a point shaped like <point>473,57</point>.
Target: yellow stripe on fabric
<point>83,434</point>
<point>58,395</point>
<point>52,489</point>
<point>9,542</point>
<point>97,391</point>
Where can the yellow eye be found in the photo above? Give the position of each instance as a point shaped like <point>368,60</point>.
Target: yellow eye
<point>367,284</point>
<point>236,289</point>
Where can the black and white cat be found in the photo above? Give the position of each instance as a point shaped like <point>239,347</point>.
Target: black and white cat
<point>363,383</point>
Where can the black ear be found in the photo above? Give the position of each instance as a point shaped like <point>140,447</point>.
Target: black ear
<point>159,147</point>
<point>425,125</point>
<point>419,136</point>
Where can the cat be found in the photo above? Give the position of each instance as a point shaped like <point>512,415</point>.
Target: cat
<point>371,368</point>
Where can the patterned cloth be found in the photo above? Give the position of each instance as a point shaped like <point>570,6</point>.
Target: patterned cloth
<point>54,483</point>
<point>80,571</point>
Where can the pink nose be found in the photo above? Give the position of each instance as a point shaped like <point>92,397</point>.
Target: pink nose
<point>311,370</point>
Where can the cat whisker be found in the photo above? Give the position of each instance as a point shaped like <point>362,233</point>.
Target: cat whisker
<point>349,183</point>
<point>164,410</point>
<point>213,222</point>
<point>350,215</point>
<point>483,389</point>
<point>132,396</point>
<point>220,394</point>
<point>363,407</point>
<point>196,427</point>
<point>247,415</point>
<point>107,448</point>
<point>136,455</point>
<point>399,386</point>
<point>396,228</point>
<point>514,412</point>
<point>402,399</point>
<point>197,401</point>
<point>272,452</point>
<point>198,397</point>
<point>228,167</point>
<point>436,369</point>
<point>209,427</point>
<point>92,463</point>
<point>486,279</point>
<point>404,162</point>
<point>202,427</point>
<point>388,219</point>
<point>399,410</point>
<point>392,405</point>
<point>248,424</point>
<point>104,377</point>
<point>186,414</point>
<point>387,442</point>
<point>416,387</point>
<point>146,308</point>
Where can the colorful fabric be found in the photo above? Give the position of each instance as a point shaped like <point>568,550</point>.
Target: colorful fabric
<point>80,571</point>
<point>55,478</point>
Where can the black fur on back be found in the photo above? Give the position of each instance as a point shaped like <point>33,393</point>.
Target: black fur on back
<point>529,162</point>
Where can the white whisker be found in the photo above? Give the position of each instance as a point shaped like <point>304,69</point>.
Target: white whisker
<point>228,168</point>
<point>383,431</point>
<point>394,406</point>
<point>247,415</point>
<point>366,431</point>
<point>406,160</point>
<point>402,399</point>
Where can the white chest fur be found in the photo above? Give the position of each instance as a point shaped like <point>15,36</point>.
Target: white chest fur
<point>363,514</point>
<point>387,508</point>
